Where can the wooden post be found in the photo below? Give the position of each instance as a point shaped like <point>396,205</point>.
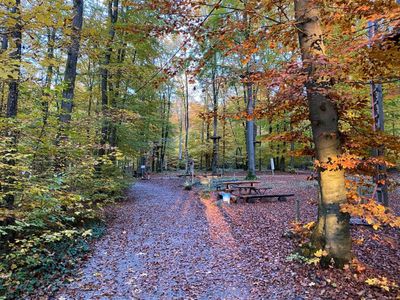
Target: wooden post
<point>297,203</point>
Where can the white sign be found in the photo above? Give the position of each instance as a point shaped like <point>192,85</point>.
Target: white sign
<point>272,164</point>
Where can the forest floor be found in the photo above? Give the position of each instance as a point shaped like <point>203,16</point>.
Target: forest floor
<point>167,243</point>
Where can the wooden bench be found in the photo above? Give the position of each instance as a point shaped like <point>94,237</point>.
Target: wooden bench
<point>281,197</point>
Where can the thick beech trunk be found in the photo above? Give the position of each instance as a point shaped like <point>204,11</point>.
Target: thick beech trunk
<point>335,236</point>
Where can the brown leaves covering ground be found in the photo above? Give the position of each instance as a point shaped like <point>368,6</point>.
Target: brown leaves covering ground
<point>166,243</point>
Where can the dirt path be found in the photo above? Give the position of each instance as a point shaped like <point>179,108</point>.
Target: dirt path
<point>165,243</point>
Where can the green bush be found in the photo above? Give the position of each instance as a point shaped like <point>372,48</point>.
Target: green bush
<point>54,217</point>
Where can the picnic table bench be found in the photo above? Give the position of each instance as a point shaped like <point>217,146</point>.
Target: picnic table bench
<point>250,198</point>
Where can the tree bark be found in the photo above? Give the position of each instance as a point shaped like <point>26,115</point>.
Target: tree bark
<point>51,36</point>
<point>107,128</point>
<point>72,61</point>
<point>164,141</point>
<point>13,86</point>
<point>378,125</point>
<point>323,116</point>
<point>4,46</point>
<point>12,103</point>
<point>224,136</point>
<point>215,88</point>
<point>251,162</point>
<point>186,124</point>
<point>180,113</point>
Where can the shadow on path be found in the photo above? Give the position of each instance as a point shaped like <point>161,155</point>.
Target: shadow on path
<point>165,243</point>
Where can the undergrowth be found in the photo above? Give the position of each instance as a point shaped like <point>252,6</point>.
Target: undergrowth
<point>54,217</point>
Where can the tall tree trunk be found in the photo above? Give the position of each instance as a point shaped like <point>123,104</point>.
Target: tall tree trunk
<point>107,127</point>
<point>335,238</point>
<point>379,126</point>
<point>251,162</point>
<point>260,151</point>
<point>186,124</point>
<point>72,61</point>
<point>214,163</point>
<point>12,103</point>
<point>46,96</point>
<point>166,129</point>
<point>4,46</point>
<point>203,125</point>
<point>248,95</point>
<point>51,36</point>
<point>115,96</point>
<point>180,113</point>
<point>90,88</point>
<point>224,136</point>
<point>13,86</point>
<point>291,147</point>
<point>163,109</point>
<point>69,81</point>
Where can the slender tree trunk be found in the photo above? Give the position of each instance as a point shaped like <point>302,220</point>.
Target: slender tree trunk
<point>260,152</point>
<point>335,238</point>
<point>4,46</point>
<point>12,103</point>
<point>186,124</point>
<point>72,61</point>
<point>13,86</point>
<point>69,81</point>
<point>291,147</point>
<point>90,88</point>
<point>224,136</point>
<point>163,117</point>
<point>202,135</point>
<point>51,36</point>
<point>251,163</point>
<point>166,130</point>
<point>379,126</point>
<point>115,96</point>
<point>107,128</point>
<point>207,154</point>
<point>214,163</point>
<point>180,113</point>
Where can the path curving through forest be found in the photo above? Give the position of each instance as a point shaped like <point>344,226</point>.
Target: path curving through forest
<point>167,243</point>
<point>164,243</point>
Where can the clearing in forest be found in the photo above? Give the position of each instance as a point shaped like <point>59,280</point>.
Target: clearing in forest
<point>167,243</point>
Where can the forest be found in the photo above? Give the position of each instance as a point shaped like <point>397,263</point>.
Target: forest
<point>199,149</point>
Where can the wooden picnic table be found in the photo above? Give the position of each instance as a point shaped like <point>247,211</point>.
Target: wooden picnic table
<point>240,182</point>
<point>248,189</point>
